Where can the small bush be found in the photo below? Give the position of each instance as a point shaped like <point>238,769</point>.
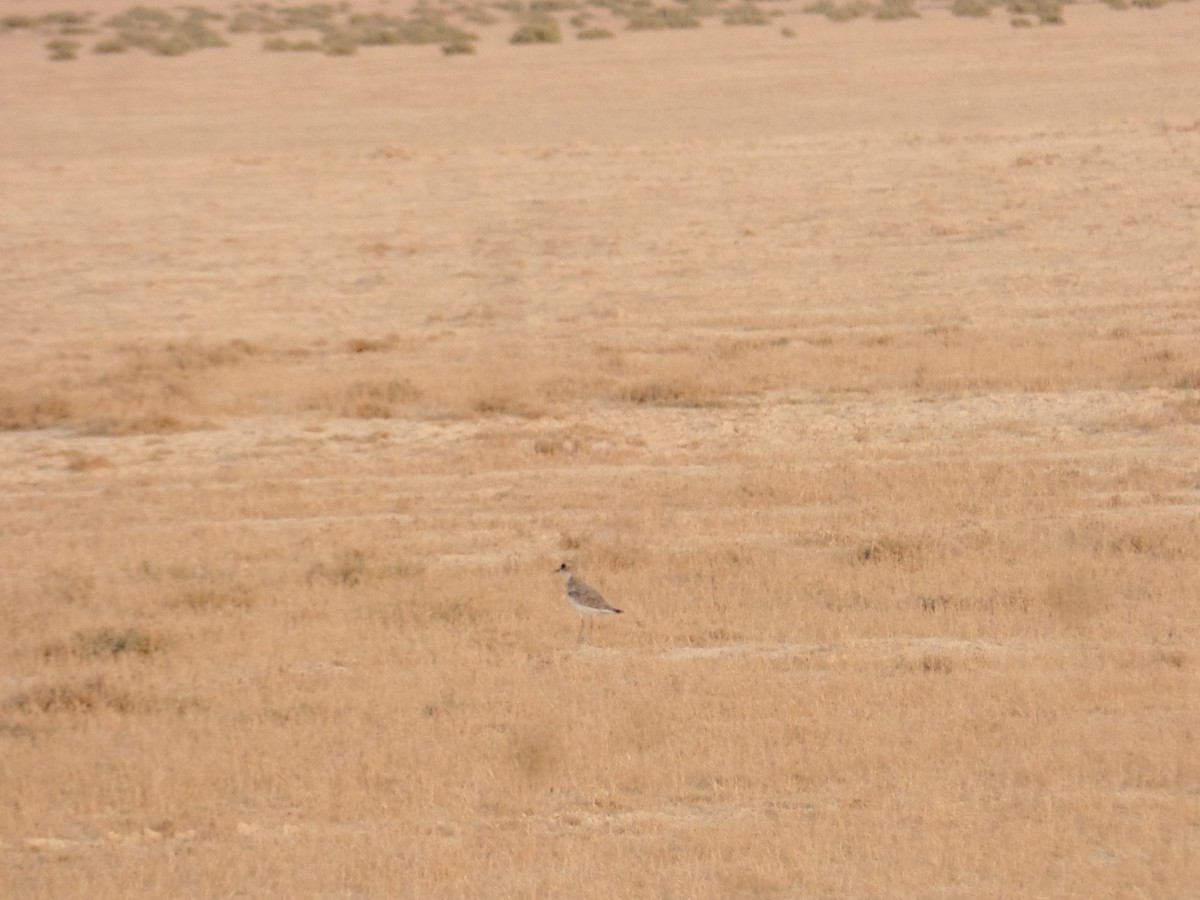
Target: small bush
<point>746,14</point>
<point>1049,12</point>
<point>246,21</point>
<point>703,9</point>
<point>61,49</point>
<point>162,34</point>
<point>663,17</point>
<point>11,23</point>
<point>65,19</point>
<point>338,43</point>
<point>542,30</point>
<point>595,34</point>
<point>895,10</point>
<point>974,9</point>
<point>477,16</point>
<point>110,45</point>
<point>855,9</point>
<point>458,48</point>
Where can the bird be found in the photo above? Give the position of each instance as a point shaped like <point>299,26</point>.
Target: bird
<point>586,600</point>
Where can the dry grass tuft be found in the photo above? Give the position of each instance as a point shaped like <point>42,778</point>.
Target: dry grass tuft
<point>105,642</point>
<point>77,696</point>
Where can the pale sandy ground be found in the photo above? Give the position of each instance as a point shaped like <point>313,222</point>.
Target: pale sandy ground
<point>754,306</point>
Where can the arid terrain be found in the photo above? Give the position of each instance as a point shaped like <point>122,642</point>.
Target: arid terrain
<point>858,362</point>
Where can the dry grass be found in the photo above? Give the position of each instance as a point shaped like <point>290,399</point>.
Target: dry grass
<point>880,425</point>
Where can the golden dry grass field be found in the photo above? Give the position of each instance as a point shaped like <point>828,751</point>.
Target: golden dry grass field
<point>860,365</point>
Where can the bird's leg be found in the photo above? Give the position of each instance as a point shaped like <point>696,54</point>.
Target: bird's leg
<point>582,622</point>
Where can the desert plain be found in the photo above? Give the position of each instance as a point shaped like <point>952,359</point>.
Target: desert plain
<point>858,362</point>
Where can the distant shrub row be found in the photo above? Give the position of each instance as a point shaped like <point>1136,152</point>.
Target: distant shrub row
<point>338,30</point>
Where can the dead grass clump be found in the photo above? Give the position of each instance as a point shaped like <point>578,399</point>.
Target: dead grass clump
<point>88,695</point>
<point>556,445</point>
<point>1074,596</point>
<point>537,751</point>
<point>86,462</point>
<point>150,422</point>
<point>1175,659</point>
<point>204,598</point>
<point>373,399</point>
<point>20,411</point>
<point>105,642</point>
<point>926,663</point>
<point>594,34</point>
<point>680,392</point>
<point>504,400</point>
<point>895,550</point>
<point>347,569</point>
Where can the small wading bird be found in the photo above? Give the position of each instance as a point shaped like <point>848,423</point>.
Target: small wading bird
<point>585,599</point>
